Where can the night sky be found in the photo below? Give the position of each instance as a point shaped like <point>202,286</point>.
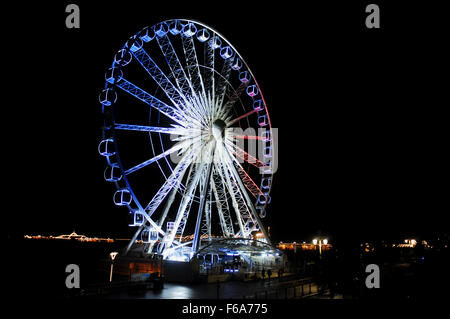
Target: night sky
<point>361,113</point>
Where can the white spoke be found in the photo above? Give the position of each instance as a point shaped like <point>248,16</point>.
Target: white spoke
<point>174,180</point>
<point>173,149</point>
<point>254,215</point>
<point>218,186</point>
<point>192,65</point>
<point>167,110</point>
<point>223,80</point>
<point>225,109</point>
<point>185,205</point>
<point>154,129</point>
<point>239,206</point>
<point>160,78</point>
<point>177,69</point>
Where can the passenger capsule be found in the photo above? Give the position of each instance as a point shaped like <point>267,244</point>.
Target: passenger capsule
<point>202,35</point>
<point>122,197</point>
<point>106,147</point>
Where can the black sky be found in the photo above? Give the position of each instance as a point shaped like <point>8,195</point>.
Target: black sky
<point>361,113</point>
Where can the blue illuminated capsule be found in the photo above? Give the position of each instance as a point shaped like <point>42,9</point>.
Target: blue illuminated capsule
<point>147,35</point>
<point>252,90</point>
<point>136,44</point>
<point>244,77</point>
<point>267,151</point>
<point>258,105</point>
<point>175,27</point>
<point>108,97</point>
<point>267,169</point>
<point>265,135</point>
<point>264,199</point>
<point>237,64</point>
<point>161,29</point>
<point>262,120</point>
<point>189,30</point>
<point>112,174</point>
<point>123,57</point>
<point>226,52</point>
<point>122,197</point>
<point>113,75</point>
<point>266,182</point>
<point>202,35</point>
<point>106,147</point>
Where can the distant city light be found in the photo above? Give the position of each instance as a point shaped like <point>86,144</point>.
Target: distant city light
<point>325,241</point>
<point>314,241</point>
<point>72,236</point>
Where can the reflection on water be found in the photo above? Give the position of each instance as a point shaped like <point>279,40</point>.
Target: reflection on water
<point>226,290</point>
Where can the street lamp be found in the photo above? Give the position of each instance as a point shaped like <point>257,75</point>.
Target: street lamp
<point>112,256</point>
<point>320,242</point>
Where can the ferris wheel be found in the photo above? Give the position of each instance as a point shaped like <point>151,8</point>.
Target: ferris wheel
<point>187,139</point>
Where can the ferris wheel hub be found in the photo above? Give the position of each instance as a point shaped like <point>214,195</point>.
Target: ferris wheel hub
<point>218,129</point>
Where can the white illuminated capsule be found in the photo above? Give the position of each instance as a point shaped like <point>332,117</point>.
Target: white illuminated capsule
<point>137,218</point>
<point>226,52</point>
<point>189,30</point>
<point>149,235</point>
<point>202,35</point>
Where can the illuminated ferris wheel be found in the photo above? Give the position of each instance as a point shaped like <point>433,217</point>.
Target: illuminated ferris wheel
<point>187,139</point>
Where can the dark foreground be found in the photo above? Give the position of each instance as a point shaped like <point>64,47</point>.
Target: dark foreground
<point>36,269</point>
